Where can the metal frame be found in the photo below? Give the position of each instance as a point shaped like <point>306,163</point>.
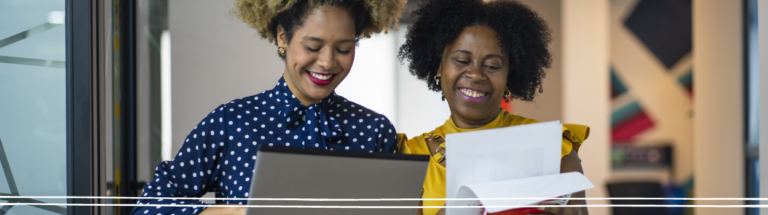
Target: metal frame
<point>98,50</point>
<point>100,85</point>
<point>751,151</point>
<point>82,92</point>
<point>125,146</point>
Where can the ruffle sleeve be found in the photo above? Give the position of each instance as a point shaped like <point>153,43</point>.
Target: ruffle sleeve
<point>402,144</point>
<point>573,136</point>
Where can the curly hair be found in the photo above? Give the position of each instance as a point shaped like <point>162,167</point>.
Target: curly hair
<point>523,36</point>
<point>370,16</point>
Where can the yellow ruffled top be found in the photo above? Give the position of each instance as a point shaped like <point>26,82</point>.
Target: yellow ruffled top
<point>434,183</point>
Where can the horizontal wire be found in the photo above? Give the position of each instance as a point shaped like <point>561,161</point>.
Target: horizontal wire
<point>380,207</point>
<point>375,199</point>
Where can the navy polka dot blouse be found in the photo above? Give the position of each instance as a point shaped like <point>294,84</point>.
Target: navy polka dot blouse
<point>218,155</point>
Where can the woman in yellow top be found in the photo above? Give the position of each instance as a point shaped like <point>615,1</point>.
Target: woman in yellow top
<point>477,53</point>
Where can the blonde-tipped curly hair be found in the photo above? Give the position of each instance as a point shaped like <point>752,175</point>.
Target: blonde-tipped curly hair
<point>261,14</point>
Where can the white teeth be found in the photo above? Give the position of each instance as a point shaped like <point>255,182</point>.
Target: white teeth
<point>321,77</point>
<point>472,93</point>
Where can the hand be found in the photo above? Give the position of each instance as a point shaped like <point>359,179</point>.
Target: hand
<point>568,163</point>
<point>558,210</point>
<point>441,211</point>
<point>568,210</point>
<point>224,211</point>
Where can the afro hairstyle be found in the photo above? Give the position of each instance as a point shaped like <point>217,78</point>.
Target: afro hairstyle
<point>370,16</point>
<point>523,36</point>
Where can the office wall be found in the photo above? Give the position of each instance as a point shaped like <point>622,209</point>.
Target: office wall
<point>419,110</point>
<point>585,87</point>
<point>215,58</point>
<point>718,125</point>
<point>654,107</point>
<point>371,80</point>
<point>547,106</point>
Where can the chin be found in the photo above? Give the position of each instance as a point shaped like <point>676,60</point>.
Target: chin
<point>318,94</point>
<point>473,113</point>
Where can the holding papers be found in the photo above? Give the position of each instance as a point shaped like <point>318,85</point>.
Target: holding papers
<point>513,162</point>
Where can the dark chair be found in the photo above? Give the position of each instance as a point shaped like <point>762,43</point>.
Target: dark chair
<point>637,189</point>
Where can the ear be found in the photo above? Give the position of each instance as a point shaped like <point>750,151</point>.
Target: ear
<point>439,76</point>
<point>282,39</point>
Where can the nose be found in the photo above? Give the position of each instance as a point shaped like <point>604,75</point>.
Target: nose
<point>325,59</point>
<point>475,73</point>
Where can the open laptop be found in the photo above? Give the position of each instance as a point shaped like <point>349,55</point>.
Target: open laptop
<point>284,172</point>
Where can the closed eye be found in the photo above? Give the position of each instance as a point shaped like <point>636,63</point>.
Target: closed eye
<point>312,50</point>
<point>461,62</point>
<point>343,52</point>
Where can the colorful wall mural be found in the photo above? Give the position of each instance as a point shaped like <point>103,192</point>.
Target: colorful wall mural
<point>652,88</point>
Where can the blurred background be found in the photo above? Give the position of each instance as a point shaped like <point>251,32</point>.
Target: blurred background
<point>668,87</point>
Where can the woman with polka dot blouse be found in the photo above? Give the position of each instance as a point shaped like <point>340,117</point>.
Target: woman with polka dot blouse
<point>316,39</point>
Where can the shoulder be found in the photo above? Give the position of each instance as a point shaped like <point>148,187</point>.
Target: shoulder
<point>416,145</point>
<point>267,96</point>
<point>346,109</point>
<point>249,104</point>
<point>239,109</point>
<point>520,120</point>
<point>512,119</point>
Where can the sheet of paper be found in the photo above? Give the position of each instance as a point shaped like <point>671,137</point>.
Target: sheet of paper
<point>547,186</point>
<point>501,154</point>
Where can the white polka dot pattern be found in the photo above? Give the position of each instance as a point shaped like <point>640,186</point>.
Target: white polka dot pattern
<point>214,155</point>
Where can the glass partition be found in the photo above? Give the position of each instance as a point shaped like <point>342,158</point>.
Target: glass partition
<point>33,104</point>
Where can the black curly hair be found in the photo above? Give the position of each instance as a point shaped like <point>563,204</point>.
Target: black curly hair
<point>295,16</point>
<point>522,35</point>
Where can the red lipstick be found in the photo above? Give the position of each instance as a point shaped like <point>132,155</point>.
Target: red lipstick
<point>320,81</point>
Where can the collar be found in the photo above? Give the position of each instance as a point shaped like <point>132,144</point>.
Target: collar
<point>314,116</point>
<point>503,119</point>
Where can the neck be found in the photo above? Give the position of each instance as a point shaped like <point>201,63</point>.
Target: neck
<point>304,99</point>
<point>470,123</point>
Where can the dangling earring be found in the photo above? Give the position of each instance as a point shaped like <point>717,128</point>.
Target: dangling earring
<point>507,95</point>
<point>437,82</point>
<point>281,51</point>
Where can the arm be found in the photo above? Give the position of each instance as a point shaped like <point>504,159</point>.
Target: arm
<point>387,137</point>
<point>193,171</point>
<point>571,163</point>
<point>224,211</point>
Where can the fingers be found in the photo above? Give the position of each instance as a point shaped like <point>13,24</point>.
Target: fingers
<point>553,210</point>
<point>561,210</point>
<point>441,212</point>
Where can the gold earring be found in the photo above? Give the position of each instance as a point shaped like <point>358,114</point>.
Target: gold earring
<point>281,50</point>
<point>437,80</point>
<point>507,95</point>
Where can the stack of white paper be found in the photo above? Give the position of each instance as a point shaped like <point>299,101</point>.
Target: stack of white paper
<point>513,162</point>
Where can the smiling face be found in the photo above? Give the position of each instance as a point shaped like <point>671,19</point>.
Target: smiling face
<point>320,53</point>
<point>473,75</point>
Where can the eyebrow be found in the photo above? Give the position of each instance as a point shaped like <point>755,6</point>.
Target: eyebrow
<point>321,40</point>
<point>498,56</point>
<point>463,51</point>
<point>490,55</point>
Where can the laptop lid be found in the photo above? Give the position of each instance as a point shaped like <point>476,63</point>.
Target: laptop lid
<point>286,172</point>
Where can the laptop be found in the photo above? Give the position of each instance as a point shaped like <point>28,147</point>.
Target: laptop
<point>287,172</point>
